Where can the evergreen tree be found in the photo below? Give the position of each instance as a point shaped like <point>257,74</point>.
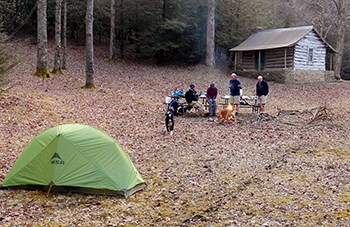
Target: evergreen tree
<point>237,19</point>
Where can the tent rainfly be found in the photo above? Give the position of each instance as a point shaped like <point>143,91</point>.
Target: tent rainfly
<point>75,158</point>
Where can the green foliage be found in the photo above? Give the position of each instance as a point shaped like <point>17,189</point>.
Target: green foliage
<point>6,8</point>
<point>17,15</point>
<point>236,20</point>
<point>169,33</point>
<point>76,12</point>
<point>173,40</point>
<point>172,30</point>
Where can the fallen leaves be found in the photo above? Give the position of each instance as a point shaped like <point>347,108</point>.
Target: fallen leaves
<point>250,172</point>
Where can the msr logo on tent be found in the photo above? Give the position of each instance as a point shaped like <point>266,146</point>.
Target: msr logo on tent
<point>56,160</point>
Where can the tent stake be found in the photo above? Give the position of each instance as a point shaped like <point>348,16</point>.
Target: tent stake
<point>47,194</point>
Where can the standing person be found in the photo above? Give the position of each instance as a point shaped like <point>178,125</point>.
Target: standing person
<point>235,94</point>
<point>212,93</point>
<point>262,90</point>
<point>191,97</point>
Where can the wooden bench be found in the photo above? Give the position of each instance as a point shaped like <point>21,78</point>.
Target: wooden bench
<point>222,102</point>
<point>254,106</point>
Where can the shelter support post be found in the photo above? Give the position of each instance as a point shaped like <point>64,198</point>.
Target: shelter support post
<point>285,58</point>
<point>331,62</point>
<point>235,61</point>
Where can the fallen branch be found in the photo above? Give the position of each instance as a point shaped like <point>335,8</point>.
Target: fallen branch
<point>305,117</point>
<point>322,114</point>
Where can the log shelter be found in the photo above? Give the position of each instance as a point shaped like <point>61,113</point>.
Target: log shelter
<point>295,48</point>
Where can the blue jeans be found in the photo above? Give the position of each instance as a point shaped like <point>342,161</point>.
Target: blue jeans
<point>212,107</point>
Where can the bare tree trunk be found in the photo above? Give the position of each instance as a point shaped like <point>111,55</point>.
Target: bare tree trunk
<point>210,48</point>
<point>121,30</point>
<point>89,44</point>
<point>58,31</point>
<point>64,36</point>
<point>112,50</point>
<point>341,25</point>
<point>164,10</point>
<point>42,46</point>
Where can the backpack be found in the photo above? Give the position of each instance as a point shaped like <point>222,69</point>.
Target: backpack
<point>178,93</point>
<point>174,104</point>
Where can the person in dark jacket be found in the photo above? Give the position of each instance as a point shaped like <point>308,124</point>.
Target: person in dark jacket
<point>235,92</point>
<point>262,90</point>
<point>191,97</point>
<point>212,93</point>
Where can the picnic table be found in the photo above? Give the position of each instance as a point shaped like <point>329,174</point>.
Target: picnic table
<point>223,101</point>
<point>245,102</point>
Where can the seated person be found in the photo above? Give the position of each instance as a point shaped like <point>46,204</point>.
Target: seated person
<point>191,97</point>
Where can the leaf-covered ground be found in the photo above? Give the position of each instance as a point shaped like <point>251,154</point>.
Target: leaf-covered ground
<point>291,168</point>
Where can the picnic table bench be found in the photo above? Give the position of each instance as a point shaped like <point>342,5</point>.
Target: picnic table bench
<point>223,101</point>
<point>245,102</point>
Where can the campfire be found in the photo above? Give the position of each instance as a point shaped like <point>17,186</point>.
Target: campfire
<point>230,116</point>
<point>226,115</point>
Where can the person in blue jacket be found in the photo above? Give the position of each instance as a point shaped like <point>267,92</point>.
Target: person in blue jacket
<point>235,92</point>
<point>262,90</point>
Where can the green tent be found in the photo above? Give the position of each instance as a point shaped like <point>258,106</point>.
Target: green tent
<point>75,158</point>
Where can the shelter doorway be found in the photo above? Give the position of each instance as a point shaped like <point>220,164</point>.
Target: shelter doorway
<point>259,60</point>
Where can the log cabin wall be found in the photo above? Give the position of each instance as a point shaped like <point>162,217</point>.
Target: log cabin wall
<point>281,58</point>
<point>248,60</point>
<point>311,44</point>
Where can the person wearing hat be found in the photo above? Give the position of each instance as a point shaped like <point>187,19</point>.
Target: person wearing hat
<point>191,97</point>
<point>212,93</point>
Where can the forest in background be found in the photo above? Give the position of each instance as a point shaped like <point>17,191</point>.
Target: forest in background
<point>174,31</point>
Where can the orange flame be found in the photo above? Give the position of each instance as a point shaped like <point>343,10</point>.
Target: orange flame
<point>229,107</point>
<point>226,114</point>
<point>230,117</point>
